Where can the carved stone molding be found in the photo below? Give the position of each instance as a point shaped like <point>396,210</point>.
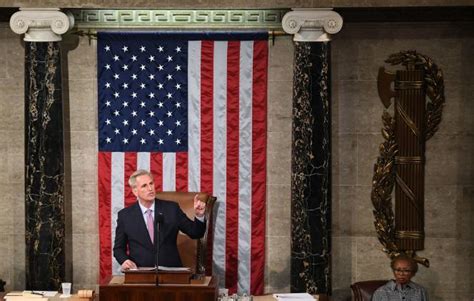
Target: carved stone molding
<point>312,25</point>
<point>41,24</point>
<point>179,18</point>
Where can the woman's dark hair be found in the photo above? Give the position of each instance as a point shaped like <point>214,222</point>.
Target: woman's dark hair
<point>403,257</point>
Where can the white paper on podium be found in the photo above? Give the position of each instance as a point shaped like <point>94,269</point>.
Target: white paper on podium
<point>173,269</point>
<point>294,297</point>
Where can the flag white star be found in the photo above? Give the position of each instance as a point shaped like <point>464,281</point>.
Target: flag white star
<point>151,113</point>
<point>178,105</point>
<point>108,122</point>
<point>160,141</point>
<point>142,104</point>
<point>134,95</point>
<point>125,48</point>
<point>160,104</point>
<point>169,77</point>
<point>178,123</point>
<point>151,58</point>
<point>142,122</point>
<point>143,141</point>
<point>151,95</point>
<point>125,122</point>
<point>125,141</point>
<point>151,132</point>
<point>107,85</point>
<point>116,76</point>
<point>116,57</point>
<point>134,113</point>
<point>160,48</point>
<point>160,122</point>
<point>116,113</point>
<point>169,95</point>
<point>178,49</point>
<point>107,103</point>
<point>169,58</point>
<point>151,76</point>
<point>125,85</point>
<point>134,58</point>
<point>125,67</point>
<point>169,113</point>
<point>142,48</point>
<point>107,48</point>
<point>117,131</point>
<point>160,86</point>
<point>117,94</point>
<point>169,132</point>
<point>160,67</point>
<point>107,67</point>
<point>178,68</point>
<point>125,104</point>
<point>142,85</point>
<point>178,141</point>
<point>134,132</point>
<point>108,140</point>
<point>134,76</point>
<point>178,86</point>
<point>142,67</point>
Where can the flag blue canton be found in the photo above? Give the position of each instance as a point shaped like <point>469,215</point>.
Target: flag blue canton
<point>142,87</point>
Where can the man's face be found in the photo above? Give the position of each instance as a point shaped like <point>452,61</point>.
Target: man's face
<point>402,271</point>
<point>144,188</point>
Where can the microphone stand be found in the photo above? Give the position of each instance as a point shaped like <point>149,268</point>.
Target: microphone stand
<point>158,221</point>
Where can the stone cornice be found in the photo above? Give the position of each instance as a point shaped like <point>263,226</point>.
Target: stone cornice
<point>41,24</point>
<point>312,25</point>
<point>267,19</point>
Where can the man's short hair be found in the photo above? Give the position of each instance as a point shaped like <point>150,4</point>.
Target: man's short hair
<point>410,260</point>
<point>132,181</point>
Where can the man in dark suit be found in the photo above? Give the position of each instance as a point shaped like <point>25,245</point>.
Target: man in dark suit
<point>135,226</point>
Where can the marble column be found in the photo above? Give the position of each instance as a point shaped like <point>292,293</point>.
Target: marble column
<point>44,155</point>
<point>311,149</point>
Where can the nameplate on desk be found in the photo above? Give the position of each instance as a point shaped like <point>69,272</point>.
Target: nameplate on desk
<point>166,275</point>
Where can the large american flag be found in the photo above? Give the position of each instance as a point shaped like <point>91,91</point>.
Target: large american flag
<point>192,109</point>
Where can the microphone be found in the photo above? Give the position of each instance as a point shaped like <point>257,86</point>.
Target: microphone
<point>158,221</point>
<point>160,218</point>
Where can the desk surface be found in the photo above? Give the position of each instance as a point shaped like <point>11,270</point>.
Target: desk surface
<point>57,297</point>
<point>255,298</point>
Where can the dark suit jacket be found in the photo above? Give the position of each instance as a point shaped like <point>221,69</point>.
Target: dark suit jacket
<point>131,231</point>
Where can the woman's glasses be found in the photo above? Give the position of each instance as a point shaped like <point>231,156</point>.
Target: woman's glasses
<point>400,271</point>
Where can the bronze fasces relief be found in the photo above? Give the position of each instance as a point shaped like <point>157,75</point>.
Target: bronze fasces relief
<point>417,95</point>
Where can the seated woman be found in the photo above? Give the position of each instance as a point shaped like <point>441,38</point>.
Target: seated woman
<point>401,288</point>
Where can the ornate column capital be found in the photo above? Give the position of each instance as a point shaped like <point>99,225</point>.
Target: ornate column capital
<point>41,24</point>
<point>312,25</point>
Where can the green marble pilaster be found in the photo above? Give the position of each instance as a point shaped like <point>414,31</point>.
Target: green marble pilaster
<point>44,172</point>
<point>311,170</point>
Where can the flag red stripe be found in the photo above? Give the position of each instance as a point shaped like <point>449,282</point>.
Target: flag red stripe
<point>105,224</point>
<point>130,162</point>
<point>156,169</point>
<point>182,171</point>
<point>259,169</point>
<point>207,137</point>
<point>232,169</point>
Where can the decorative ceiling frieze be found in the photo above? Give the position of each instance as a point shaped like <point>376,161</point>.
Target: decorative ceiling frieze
<point>268,19</point>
